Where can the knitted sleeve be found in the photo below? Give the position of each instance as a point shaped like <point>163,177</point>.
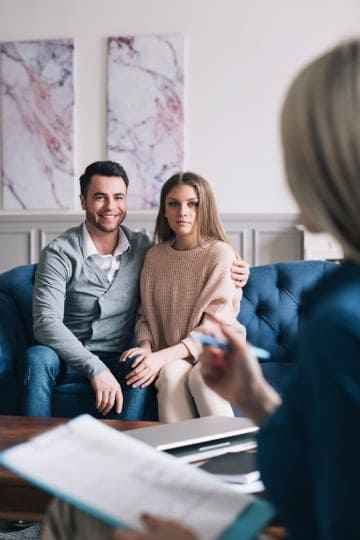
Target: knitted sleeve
<point>142,329</point>
<point>219,299</point>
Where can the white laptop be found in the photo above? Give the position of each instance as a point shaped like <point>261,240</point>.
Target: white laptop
<point>200,438</point>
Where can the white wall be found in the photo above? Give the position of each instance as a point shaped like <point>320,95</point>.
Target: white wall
<point>241,56</point>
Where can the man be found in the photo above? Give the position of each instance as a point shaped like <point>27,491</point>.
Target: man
<point>86,298</point>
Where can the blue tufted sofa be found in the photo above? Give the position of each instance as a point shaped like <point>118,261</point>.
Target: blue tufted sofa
<point>269,310</point>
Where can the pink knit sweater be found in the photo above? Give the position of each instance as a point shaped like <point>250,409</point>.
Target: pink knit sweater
<point>180,290</point>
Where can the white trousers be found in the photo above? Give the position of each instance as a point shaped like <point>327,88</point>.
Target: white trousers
<point>180,384</point>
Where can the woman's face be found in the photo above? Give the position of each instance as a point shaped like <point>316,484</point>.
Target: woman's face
<point>181,212</point>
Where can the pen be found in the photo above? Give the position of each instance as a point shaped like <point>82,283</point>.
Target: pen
<point>260,353</point>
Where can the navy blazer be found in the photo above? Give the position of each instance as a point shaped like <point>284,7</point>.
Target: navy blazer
<point>309,449</point>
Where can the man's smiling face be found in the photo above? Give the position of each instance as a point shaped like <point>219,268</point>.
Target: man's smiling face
<point>105,203</point>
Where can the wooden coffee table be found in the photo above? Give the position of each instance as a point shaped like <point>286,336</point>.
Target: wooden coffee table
<point>20,500</point>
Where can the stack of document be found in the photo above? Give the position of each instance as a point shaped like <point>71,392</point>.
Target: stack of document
<point>238,468</point>
<point>117,477</point>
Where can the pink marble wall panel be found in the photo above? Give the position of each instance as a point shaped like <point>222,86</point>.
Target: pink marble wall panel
<point>37,124</point>
<point>146,111</point>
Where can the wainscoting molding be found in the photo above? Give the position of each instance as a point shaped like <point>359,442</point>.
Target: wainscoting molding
<point>259,238</point>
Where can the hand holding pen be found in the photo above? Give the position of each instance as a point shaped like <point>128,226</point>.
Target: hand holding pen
<point>261,354</point>
<point>232,370</point>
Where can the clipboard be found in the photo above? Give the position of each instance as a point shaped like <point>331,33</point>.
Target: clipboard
<point>90,465</point>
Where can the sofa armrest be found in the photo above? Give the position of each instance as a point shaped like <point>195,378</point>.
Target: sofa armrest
<point>13,336</point>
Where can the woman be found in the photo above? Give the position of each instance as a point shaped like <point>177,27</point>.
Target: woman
<point>185,283</point>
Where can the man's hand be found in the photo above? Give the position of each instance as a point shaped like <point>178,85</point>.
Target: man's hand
<point>157,529</point>
<point>107,391</point>
<point>240,271</point>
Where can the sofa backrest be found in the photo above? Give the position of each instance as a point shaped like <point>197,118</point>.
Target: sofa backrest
<point>270,307</point>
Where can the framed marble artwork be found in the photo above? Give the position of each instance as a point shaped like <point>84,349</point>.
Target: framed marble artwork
<point>145,128</point>
<point>37,124</point>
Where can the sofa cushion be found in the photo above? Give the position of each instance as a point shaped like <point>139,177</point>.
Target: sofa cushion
<point>9,396</point>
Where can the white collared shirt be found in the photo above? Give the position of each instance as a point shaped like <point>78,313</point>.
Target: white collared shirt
<point>109,263</point>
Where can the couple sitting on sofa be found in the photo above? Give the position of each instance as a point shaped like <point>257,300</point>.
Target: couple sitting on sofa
<point>86,300</point>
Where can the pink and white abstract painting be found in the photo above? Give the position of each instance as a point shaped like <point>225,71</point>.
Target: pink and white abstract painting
<point>37,101</point>
<point>146,111</point>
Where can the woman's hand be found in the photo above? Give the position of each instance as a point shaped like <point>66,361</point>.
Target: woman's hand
<point>240,271</point>
<point>134,351</point>
<point>236,376</point>
<point>145,368</point>
<point>158,529</point>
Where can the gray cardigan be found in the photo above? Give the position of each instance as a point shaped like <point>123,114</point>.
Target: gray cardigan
<point>76,310</point>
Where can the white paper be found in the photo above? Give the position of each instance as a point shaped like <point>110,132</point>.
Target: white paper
<point>118,477</point>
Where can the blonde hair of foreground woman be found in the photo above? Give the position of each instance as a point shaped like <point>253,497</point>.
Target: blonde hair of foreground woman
<point>321,144</point>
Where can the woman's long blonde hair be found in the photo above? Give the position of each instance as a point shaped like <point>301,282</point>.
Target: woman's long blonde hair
<point>320,128</point>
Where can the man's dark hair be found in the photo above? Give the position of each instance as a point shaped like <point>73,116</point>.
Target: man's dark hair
<point>102,168</point>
